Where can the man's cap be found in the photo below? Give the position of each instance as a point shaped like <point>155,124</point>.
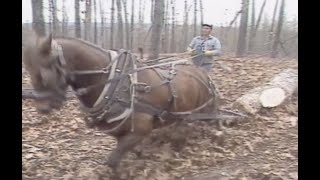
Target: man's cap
<point>209,25</point>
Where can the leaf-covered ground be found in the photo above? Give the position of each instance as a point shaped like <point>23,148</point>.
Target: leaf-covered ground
<point>59,146</point>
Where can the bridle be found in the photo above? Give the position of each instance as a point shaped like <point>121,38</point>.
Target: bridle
<point>68,76</point>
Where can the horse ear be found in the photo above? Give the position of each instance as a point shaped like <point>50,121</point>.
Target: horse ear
<point>45,46</point>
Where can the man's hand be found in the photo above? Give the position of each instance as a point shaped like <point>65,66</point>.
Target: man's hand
<point>208,53</point>
<point>192,52</point>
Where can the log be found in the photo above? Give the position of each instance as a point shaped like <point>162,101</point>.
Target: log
<point>273,94</point>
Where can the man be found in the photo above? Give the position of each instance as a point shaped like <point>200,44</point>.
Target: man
<point>206,47</point>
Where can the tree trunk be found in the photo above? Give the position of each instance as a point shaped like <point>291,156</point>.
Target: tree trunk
<point>173,36</point>
<point>195,19</point>
<point>112,25</point>
<point>95,22</point>
<point>77,18</point>
<point>102,28</point>
<point>276,41</point>
<point>152,11</point>
<point>120,25</point>
<point>88,21</point>
<point>65,19</point>
<point>242,40</point>
<point>55,21</point>
<point>235,38</point>
<point>37,17</point>
<point>201,11</point>
<point>156,30</point>
<point>252,27</point>
<point>127,24</point>
<point>282,86</point>
<point>254,31</point>
<point>271,33</point>
<point>166,29</point>
<point>132,24</point>
<point>185,25</point>
<point>50,17</point>
<point>260,16</point>
<point>235,18</point>
<point>140,23</point>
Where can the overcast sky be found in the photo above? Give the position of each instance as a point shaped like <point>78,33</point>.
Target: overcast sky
<point>217,12</point>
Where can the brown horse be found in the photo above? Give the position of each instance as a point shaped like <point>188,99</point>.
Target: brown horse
<point>121,95</point>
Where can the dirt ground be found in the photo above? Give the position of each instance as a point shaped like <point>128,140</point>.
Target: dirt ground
<point>263,147</point>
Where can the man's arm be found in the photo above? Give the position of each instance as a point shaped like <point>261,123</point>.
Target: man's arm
<point>192,44</point>
<point>217,49</point>
<point>190,48</point>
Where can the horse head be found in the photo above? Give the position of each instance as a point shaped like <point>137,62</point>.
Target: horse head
<point>43,60</point>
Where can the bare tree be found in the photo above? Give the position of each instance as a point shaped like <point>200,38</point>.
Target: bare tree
<point>112,25</point>
<point>166,29</point>
<point>120,25</point>
<point>195,18</point>
<point>235,35</point>
<point>95,21</point>
<point>50,17</point>
<point>88,21</point>
<point>152,10</point>
<point>173,36</point>
<point>277,41</point>
<point>102,27</point>
<point>242,42</point>
<point>234,19</point>
<point>64,18</point>
<point>55,21</point>
<point>132,24</point>
<point>185,23</point>
<point>126,23</point>
<point>252,27</point>
<point>260,16</point>
<point>141,23</point>
<point>77,18</point>
<point>156,30</point>
<point>37,17</point>
<point>271,33</point>
<point>201,11</point>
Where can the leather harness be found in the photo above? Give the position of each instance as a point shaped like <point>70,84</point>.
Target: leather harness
<point>119,100</point>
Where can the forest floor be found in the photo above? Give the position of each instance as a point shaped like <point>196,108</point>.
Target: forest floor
<point>265,146</point>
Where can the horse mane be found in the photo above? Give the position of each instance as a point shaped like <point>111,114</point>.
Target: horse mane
<point>84,42</point>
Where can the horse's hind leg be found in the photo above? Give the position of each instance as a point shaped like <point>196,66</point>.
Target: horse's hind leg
<point>142,126</point>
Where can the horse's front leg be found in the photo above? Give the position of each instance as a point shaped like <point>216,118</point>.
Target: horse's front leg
<point>125,144</point>
<point>142,125</point>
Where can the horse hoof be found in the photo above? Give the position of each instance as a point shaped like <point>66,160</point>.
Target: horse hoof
<point>111,163</point>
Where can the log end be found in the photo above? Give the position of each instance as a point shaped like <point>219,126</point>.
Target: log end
<point>272,97</point>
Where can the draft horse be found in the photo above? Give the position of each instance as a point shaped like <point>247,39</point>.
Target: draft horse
<point>121,95</point>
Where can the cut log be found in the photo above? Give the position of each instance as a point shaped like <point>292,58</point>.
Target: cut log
<point>273,94</point>
<point>272,97</point>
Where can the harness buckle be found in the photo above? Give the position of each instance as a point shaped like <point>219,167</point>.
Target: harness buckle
<point>105,71</point>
